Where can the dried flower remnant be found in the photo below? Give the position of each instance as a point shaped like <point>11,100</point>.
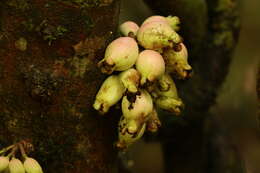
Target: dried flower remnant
<point>177,62</point>
<point>130,79</point>
<point>137,111</point>
<point>153,123</point>
<point>125,139</point>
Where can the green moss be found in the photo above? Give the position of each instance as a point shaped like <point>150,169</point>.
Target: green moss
<point>19,4</point>
<point>28,25</point>
<point>50,32</point>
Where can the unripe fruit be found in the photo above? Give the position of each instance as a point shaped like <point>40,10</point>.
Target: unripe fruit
<point>177,62</point>
<point>154,123</point>
<point>170,104</point>
<point>138,109</point>
<point>109,94</point>
<point>4,161</point>
<point>167,96</point>
<point>129,29</point>
<point>151,66</point>
<point>130,79</point>
<point>128,125</point>
<point>173,21</point>
<point>157,35</point>
<point>32,166</point>
<point>166,87</point>
<point>16,166</point>
<point>125,139</point>
<point>120,55</point>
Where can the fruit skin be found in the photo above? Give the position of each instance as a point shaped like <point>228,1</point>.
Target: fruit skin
<point>110,92</point>
<point>120,55</point>
<point>166,95</point>
<point>177,62</point>
<point>139,108</point>
<point>4,161</point>
<point>136,110</point>
<point>173,21</point>
<point>16,166</point>
<point>32,166</point>
<point>130,79</point>
<point>151,66</point>
<point>125,139</point>
<point>129,28</point>
<point>157,35</point>
<point>154,123</point>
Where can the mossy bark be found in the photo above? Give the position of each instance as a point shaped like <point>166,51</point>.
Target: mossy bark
<point>210,29</point>
<point>48,81</point>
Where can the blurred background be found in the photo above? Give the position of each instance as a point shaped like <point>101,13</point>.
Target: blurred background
<point>236,105</point>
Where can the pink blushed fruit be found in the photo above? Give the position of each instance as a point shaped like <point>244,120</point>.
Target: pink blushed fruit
<point>151,66</point>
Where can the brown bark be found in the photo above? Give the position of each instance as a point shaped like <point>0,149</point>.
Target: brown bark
<point>48,81</point>
<point>258,93</point>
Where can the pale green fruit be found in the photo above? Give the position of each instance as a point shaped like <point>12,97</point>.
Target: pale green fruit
<point>130,79</point>
<point>125,139</point>
<point>153,123</point>
<point>173,21</point>
<point>120,55</point>
<point>151,66</point>
<point>138,110</point>
<point>16,166</point>
<point>170,104</point>
<point>166,95</point>
<point>4,161</point>
<point>129,28</point>
<point>166,87</point>
<point>109,94</point>
<point>32,166</point>
<point>128,125</point>
<point>177,62</point>
<point>157,35</point>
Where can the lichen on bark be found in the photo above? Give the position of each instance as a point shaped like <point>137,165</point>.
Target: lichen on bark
<point>40,100</point>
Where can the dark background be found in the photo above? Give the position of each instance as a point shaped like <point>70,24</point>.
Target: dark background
<point>236,106</point>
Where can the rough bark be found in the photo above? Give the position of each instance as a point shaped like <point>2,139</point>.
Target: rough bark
<point>210,29</point>
<point>48,81</point>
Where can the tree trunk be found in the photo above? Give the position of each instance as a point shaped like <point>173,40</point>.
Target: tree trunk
<point>258,93</point>
<point>210,29</point>
<point>48,81</point>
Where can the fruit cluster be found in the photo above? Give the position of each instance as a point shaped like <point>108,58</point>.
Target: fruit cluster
<point>10,164</point>
<point>142,61</point>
